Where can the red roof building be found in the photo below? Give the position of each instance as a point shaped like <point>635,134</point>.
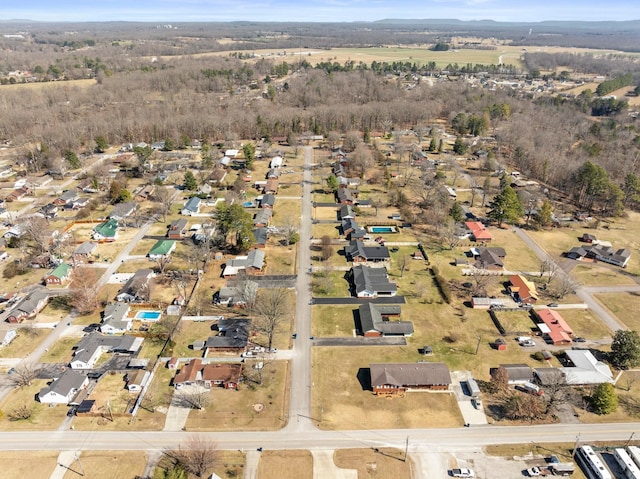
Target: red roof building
<point>557,330</point>
<point>478,231</point>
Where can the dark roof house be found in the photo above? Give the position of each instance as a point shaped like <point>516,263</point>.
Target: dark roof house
<point>374,321</point>
<point>396,378</point>
<point>371,282</point>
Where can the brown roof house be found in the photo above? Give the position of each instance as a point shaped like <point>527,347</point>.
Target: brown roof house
<point>226,375</point>
<point>28,307</point>
<point>396,378</point>
<point>178,229</point>
<point>522,290</point>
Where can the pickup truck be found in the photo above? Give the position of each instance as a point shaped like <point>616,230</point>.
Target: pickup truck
<point>462,472</point>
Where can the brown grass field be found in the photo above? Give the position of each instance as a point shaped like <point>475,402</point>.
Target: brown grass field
<point>287,464</point>
<point>624,306</point>
<point>85,83</point>
<point>31,464</point>
<point>108,464</point>
<point>370,464</point>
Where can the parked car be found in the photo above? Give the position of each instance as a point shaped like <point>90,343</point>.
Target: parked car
<point>552,305</point>
<point>249,354</point>
<point>463,472</point>
<point>477,403</point>
<point>529,343</point>
<point>579,340</point>
<point>533,471</point>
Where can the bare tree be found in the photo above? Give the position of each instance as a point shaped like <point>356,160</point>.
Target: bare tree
<point>23,375</point>
<point>362,159</point>
<point>84,294</point>
<point>197,455</point>
<point>271,308</point>
<point>403,264</point>
<point>449,234</point>
<point>480,283</point>
<point>549,268</point>
<point>248,291</point>
<point>563,285</point>
<point>500,379</point>
<point>21,413</point>
<point>327,249</point>
<point>199,302</point>
<point>192,397</point>
<point>164,198</point>
<point>37,230</point>
<point>162,261</point>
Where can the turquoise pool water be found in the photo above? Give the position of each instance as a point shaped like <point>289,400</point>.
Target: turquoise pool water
<point>149,315</point>
<point>382,229</point>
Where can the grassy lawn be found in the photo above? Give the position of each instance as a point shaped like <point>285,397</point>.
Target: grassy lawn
<point>61,351</point>
<point>596,275</point>
<point>31,276</point>
<point>340,401</point>
<point>325,213</point>
<point>286,212</point>
<point>43,417</point>
<point>331,230</point>
<point>187,333</point>
<point>287,464</point>
<point>26,340</point>
<point>370,464</point>
<point>289,190</point>
<point>627,390</point>
<point>234,410</point>
<point>330,284</point>
<point>624,306</point>
<point>333,321</point>
<point>321,197</point>
<point>31,464</point>
<point>109,464</point>
<point>519,256</point>
<point>281,259</point>
<point>586,324</point>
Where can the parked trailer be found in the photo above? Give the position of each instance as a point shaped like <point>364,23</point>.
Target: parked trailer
<point>592,465</point>
<point>474,389</point>
<point>634,452</point>
<point>631,471</point>
<point>562,468</point>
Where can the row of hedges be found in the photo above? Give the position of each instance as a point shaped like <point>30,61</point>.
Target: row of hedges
<point>443,285</point>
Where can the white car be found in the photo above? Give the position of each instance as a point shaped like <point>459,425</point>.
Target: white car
<point>533,471</point>
<point>529,343</point>
<point>462,472</point>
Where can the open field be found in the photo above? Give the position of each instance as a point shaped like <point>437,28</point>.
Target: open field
<point>51,84</point>
<point>600,274</point>
<point>342,399</point>
<point>43,417</point>
<point>108,464</point>
<point>287,464</point>
<point>370,464</point>
<point>31,464</point>
<point>24,342</point>
<point>624,306</point>
<point>234,410</point>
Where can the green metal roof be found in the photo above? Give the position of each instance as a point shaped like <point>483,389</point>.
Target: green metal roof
<point>107,229</point>
<point>162,247</point>
<point>61,271</point>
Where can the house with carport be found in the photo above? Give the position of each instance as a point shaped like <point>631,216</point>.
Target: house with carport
<point>64,388</point>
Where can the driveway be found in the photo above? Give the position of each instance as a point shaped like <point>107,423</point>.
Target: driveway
<point>325,468</point>
<point>470,414</point>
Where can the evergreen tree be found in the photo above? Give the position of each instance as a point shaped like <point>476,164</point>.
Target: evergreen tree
<point>459,146</point>
<point>456,212</point>
<point>101,144</point>
<point>332,183</point>
<point>72,159</point>
<point>249,150</point>
<point>433,144</point>
<point>506,207</point>
<point>603,399</point>
<point>190,182</point>
<point>544,217</point>
<point>625,349</point>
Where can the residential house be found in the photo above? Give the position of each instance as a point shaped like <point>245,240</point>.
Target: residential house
<point>137,288</point>
<point>16,231</point>
<point>522,290</point>
<point>162,249</point>
<point>260,235</point>
<point>205,189</point>
<point>344,182</point>
<point>489,258</point>
<point>229,296</point>
<point>252,263</point>
<point>478,231</point>
<point>232,337</point>
<point>349,225</point>
<point>18,193</point>
<point>84,252</point>
<point>601,252</point>
<point>271,186</point>
<point>66,197</point>
<point>115,318</point>
<point>346,212</point>
<point>78,203</point>
<point>357,252</point>
<point>178,229</point>
<point>122,210</point>
<point>396,378</point>
<point>374,321</point>
<point>64,388</point>
<point>345,196</point>
<point>191,207</point>
<point>6,336</point>
<point>273,173</point>
<point>28,307</point>
<point>370,282</point>
<point>144,193</point>
<point>262,218</point>
<point>553,327</point>
<point>516,373</point>
<point>276,162</point>
<point>226,375</point>
<point>89,349</point>
<point>49,211</point>
<point>586,369</point>
<point>136,380</point>
<point>588,238</point>
<point>107,231</point>
<point>268,201</point>
<point>59,275</point>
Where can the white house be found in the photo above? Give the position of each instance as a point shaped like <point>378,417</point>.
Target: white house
<point>7,336</point>
<point>63,389</point>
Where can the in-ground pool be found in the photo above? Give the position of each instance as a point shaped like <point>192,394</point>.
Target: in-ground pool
<point>382,229</point>
<point>148,315</point>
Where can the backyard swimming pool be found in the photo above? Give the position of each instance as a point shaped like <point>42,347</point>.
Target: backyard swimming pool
<point>382,229</point>
<point>148,315</point>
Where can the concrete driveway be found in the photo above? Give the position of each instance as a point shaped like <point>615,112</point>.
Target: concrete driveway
<point>470,414</point>
<point>325,468</point>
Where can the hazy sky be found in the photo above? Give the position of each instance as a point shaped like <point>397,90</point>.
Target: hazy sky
<point>168,11</point>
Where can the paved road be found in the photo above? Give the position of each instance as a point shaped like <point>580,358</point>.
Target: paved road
<point>420,440</point>
<point>300,392</point>
<point>583,293</point>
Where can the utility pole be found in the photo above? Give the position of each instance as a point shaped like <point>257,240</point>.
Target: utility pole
<point>575,447</point>
<point>630,438</point>
<point>406,449</point>
<point>478,345</point>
